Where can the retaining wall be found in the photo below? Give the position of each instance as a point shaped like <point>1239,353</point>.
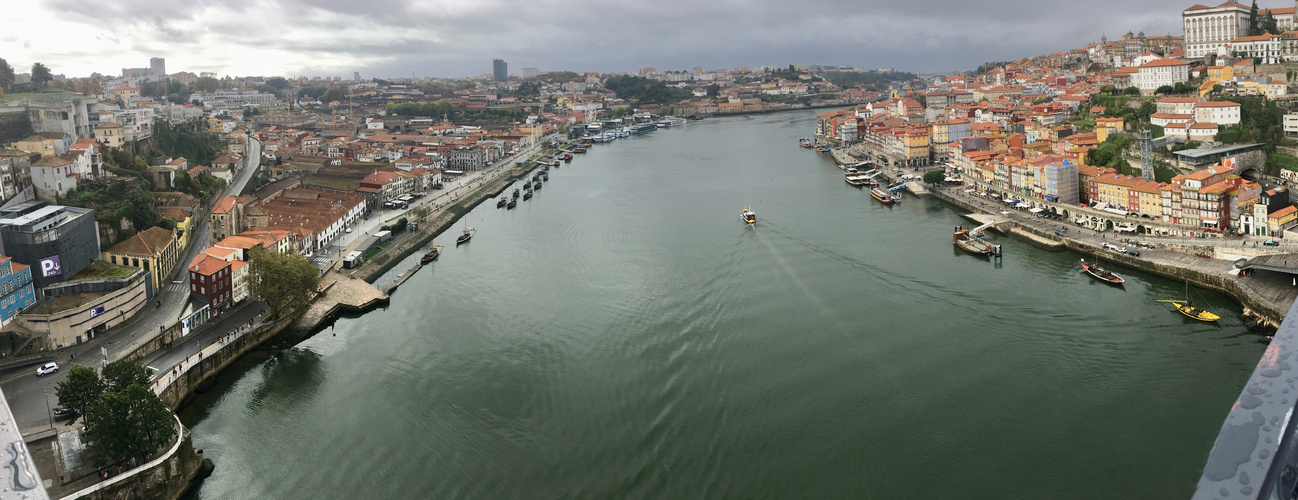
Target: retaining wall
<point>165,477</point>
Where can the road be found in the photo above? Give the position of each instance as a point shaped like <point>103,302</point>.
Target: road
<point>452,191</point>
<point>25,391</point>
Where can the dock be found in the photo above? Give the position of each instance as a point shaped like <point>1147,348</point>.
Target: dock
<point>341,294</point>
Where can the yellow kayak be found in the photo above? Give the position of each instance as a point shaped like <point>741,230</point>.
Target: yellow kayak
<point>1184,307</point>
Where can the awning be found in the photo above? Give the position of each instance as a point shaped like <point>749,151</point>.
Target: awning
<point>1036,210</point>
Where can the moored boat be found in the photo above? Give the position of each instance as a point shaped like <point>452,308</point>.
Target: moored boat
<point>964,239</point>
<point>805,142</point>
<point>883,196</point>
<point>748,216</point>
<point>527,195</point>
<point>512,203</point>
<point>516,193</point>
<point>501,202</point>
<point>1186,307</point>
<point>1101,274</point>
<point>431,255</point>
<point>567,157</point>
<point>464,237</point>
<point>536,185</point>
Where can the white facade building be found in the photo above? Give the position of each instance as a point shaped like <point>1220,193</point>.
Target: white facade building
<point>1208,28</point>
<point>1218,112</point>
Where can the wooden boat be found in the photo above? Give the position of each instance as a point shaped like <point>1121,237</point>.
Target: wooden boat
<point>1186,307</point>
<point>1101,274</point>
<point>464,237</point>
<point>501,202</point>
<point>883,196</point>
<point>536,185</point>
<point>805,142</point>
<point>431,255</point>
<point>964,239</point>
<point>855,180</point>
<point>516,193</point>
<point>527,195</point>
<point>512,203</point>
<point>567,157</point>
<point>748,216</point>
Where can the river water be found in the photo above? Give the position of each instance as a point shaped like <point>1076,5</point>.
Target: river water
<point>624,335</point>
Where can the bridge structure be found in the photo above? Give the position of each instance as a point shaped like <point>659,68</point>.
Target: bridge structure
<point>1255,455</point>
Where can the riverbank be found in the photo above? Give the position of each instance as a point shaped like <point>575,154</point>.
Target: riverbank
<point>1264,297</point>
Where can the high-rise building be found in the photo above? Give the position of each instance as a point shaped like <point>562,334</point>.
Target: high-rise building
<point>499,70</point>
<point>159,66</point>
<point>356,76</point>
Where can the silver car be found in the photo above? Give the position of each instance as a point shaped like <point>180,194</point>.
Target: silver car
<point>47,369</point>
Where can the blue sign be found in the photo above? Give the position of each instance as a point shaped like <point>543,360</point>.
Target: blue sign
<point>96,311</point>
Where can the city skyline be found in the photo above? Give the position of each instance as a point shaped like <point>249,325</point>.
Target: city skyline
<point>445,39</point>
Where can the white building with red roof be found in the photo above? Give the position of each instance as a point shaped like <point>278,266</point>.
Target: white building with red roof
<point>1208,28</point>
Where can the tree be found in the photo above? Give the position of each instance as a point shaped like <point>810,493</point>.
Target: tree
<point>40,75</point>
<point>1253,21</point>
<point>79,390</point>
<point>206,84</point>
<point>333,94</point>
<point>1268,24</point>
<point>6,75</point>
<point>283,281</point>
<point>1131,91</point>
<point>121,374</point>
<point>1108,89</point>
<point>934,176</point>
<point>1180,88</point>
<point>714,90</point>
<point>132,423</point>
<point>279,83</point>
<point>1164,90</point>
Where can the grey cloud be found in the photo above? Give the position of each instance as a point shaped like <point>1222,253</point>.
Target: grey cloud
<point>458,38</point>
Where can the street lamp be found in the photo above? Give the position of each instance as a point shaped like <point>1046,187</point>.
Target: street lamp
<point>48,413</point>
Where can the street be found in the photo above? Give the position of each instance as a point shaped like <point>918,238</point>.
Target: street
<point>25,391</point>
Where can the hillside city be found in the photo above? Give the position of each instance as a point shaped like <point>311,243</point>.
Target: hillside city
<point>139,207</point>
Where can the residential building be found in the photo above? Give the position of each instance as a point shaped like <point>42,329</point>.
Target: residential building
<point>1290,124</point>
<point>16,291</point>
<point>1162,72</point>
<point>1104,127</point>
<point>110,134</point>
<point>226,219</point>
<point>1264,48</point>
<point>155,250</point>
<point>210,281</point>
<point>53,176</point>
<point>1218,112</point>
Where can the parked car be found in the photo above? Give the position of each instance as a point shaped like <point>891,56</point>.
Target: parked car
<point>61,413</point>
<point>1116,248</point>
<point>1133,252</point>
<point>47,369</point>
<point>1271,243</point>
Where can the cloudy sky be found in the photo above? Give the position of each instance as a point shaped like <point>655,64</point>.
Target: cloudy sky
<point>454,38</point>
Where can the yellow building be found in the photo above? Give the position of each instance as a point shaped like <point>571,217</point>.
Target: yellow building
<point>916,140</point>
<point>153,250</point>
<point>1219,74</point>
<point>1106,126</point>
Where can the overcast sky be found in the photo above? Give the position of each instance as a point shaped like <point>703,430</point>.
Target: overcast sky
<point>455,38</point>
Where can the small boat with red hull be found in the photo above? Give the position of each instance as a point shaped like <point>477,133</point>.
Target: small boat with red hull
<point>1102,274</point>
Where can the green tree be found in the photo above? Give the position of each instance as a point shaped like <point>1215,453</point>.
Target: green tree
<point>1108,89</point>
<point>1147,109</point>
<point>1268,24</point>
<point>284,282</point>
<point>934,176</point>
<point>1131,91</point>
<point>1164,90</point>
<point>333,94</point>
<point>206,84</point>
<point>121,374</point>
<point>714,90</point>
<point>40,75</point>
<point>1253,21</point>
<point>6,74</point>
<point>80,389</point>
<point>279,83</point>
<point>132,423</point>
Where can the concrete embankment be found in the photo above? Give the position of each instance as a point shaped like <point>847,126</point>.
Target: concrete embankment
<point>1264,302</point>
<point>166,477</point>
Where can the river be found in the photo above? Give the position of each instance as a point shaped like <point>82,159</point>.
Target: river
<point>624,335</point>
